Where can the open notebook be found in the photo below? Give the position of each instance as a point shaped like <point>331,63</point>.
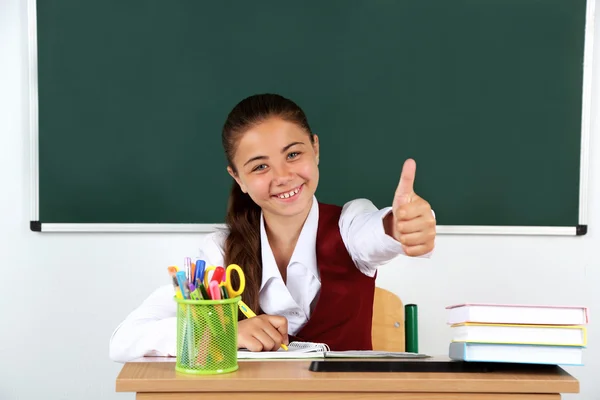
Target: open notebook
<point>321,350</point>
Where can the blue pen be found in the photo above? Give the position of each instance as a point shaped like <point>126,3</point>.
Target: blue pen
<point>200,266</point>
<point>182,279</point>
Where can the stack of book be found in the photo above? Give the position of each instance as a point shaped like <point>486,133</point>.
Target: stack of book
<point>512,333</point>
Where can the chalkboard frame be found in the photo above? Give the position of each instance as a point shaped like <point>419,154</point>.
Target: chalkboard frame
<point>39,226</point>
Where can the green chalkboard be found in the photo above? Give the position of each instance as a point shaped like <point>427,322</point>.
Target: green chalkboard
<point>486,95</point>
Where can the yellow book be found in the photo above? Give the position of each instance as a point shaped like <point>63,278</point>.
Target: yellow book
<point>556,335</point>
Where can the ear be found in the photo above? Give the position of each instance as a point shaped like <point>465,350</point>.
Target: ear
<point>237,179</point>
<point>316,147</point>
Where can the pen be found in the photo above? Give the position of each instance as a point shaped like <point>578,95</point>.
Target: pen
<point>246,310</point>
<point>193,292</point>
<point>250,314</point>
<point>187,265</point>
<point>185,290</point>
<point>202,289</point>
<point>214,290</point>
<point>192,277</point>
<point>199,273</point>
<point>224,294</point>
<point>181,278</point>
<point>173,274</point>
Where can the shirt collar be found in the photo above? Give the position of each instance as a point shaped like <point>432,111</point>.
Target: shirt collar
<point>305,252</point>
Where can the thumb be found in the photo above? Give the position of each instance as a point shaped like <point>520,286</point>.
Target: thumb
<point>405,190</point>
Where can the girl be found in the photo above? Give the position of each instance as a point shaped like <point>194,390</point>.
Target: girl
<point>310,267</point>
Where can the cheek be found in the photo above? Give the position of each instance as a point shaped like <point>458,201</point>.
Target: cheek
<point>258,186</point>
<point>309,171</point>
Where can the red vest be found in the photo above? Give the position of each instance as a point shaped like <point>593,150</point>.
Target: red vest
<point>342,317</point>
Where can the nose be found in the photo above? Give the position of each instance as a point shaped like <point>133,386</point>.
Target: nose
<point>282,175</point>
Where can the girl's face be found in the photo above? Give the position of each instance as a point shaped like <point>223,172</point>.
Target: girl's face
<point>277,165</point>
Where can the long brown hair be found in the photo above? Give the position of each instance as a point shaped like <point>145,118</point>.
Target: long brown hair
<point>242,245</point>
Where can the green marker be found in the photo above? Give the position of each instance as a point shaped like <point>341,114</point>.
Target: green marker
<point>411,328</point>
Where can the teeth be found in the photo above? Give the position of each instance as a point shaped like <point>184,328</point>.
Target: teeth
<point>289,194</point>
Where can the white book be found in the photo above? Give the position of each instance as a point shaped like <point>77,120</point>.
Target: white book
<point>517,314</point>
<point>516,353</point>
<point>563,335</point>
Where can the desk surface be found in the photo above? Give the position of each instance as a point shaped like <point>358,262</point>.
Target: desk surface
<point>294,376</point>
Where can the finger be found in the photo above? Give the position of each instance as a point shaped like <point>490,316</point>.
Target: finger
<point>417,238</point>
<point>419,250</point>
<point>405,189</point>
<point>275,335</point>
<point>416,208</point>
<point>415,225</point>
<point>281,324</point>
<point>249,342</point>
<point>268,343</point>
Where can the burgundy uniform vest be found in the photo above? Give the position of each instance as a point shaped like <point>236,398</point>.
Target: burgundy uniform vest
<point>342,316</point>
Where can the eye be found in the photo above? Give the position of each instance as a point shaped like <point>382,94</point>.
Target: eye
<point>259,167</point>
<point>293,154</point>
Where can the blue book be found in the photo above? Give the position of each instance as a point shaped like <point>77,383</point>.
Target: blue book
<point>516,353</point>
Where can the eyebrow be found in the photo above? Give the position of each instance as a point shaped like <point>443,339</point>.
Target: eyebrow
<point>286,148</point>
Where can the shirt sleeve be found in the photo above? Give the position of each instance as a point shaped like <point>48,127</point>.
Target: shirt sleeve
<point>151,329</point>
<point>361,227</point>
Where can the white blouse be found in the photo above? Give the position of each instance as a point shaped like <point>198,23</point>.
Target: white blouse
<point>150,330</point>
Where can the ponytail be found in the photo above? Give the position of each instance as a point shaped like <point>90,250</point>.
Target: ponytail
<point>242,245</point>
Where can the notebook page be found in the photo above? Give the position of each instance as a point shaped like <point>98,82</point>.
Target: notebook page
<point>295,350</point>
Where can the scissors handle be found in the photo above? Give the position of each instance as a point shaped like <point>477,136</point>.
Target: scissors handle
<point>231,291</point>
<point>207,270</point>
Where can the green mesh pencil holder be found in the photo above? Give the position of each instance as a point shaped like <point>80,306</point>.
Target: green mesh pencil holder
<point>207,336</point>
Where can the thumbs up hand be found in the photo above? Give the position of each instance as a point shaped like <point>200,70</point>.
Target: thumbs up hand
<point>411,221</point>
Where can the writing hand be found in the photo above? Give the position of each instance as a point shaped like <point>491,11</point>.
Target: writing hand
<point>263,333</point>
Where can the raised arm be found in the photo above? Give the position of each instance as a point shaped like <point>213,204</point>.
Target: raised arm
<point>374,237</point>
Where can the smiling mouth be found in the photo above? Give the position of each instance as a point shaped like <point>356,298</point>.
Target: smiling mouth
<point>287,195</point>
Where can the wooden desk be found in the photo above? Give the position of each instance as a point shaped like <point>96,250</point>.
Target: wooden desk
<point>291,379</point>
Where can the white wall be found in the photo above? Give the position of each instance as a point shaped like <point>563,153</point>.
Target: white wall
<point>54,335</point>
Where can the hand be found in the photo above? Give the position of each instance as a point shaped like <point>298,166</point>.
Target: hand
<point>411,221</point>
<point>263,333</point>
